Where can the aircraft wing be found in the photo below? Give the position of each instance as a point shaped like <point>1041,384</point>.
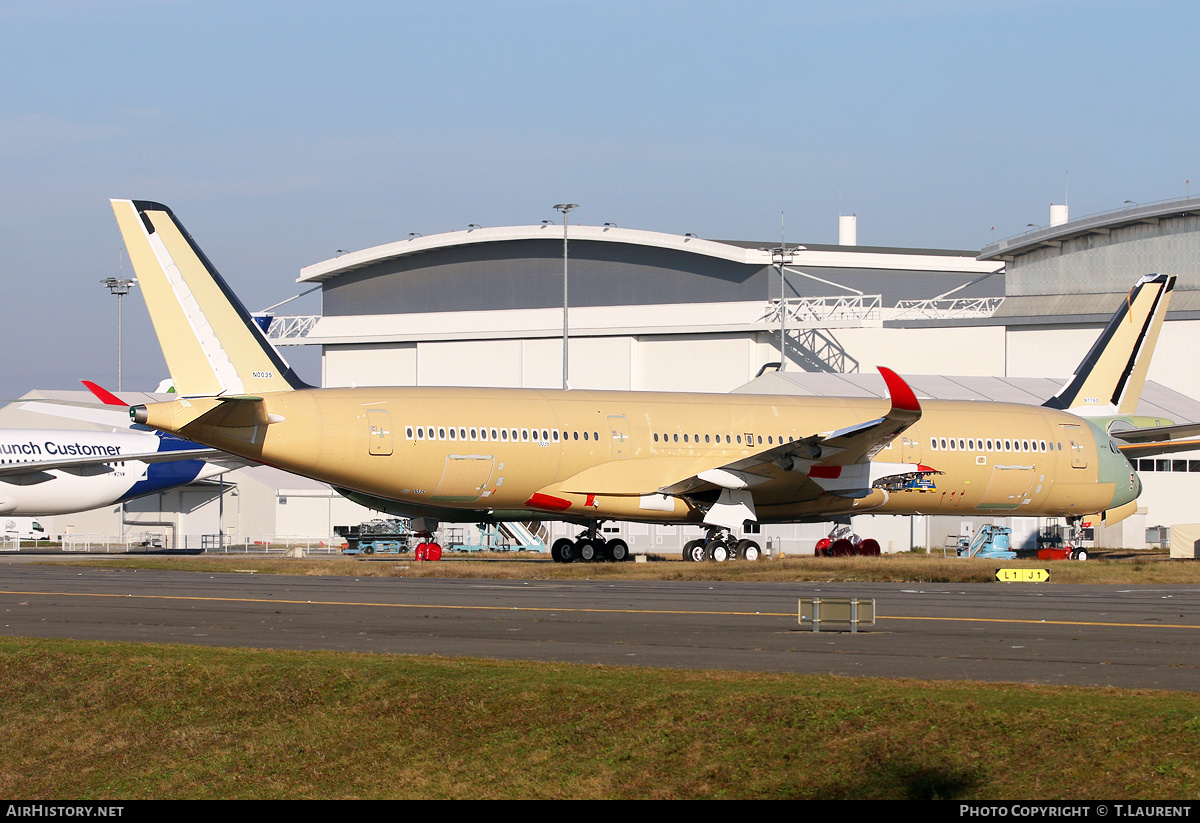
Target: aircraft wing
<point>91,465</point>
<point>837,460</point>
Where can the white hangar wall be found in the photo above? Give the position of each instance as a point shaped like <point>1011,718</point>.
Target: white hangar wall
<point>666,361</point>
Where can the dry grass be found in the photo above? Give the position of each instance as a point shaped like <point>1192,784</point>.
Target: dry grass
<point>1122,568</point>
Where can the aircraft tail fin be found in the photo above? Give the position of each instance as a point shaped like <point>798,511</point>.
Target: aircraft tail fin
<point>211,343</point>
<point>1110,379</point>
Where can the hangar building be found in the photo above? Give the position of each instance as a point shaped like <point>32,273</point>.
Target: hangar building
<point>655,311</point>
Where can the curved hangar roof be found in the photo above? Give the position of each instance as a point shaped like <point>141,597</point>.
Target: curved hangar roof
<point>520,267</point>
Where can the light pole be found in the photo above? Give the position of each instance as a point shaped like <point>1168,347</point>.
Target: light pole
<point>119,286</point>
<point>781,257</point>
<point>565,208</point>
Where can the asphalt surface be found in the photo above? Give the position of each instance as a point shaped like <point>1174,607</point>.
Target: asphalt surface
<point>1124,636</point>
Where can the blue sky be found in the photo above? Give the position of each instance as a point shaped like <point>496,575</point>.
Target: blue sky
<point>280,132</point>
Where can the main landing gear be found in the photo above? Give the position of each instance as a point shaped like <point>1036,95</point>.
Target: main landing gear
<point>720,545</point>
<point>590,547</point>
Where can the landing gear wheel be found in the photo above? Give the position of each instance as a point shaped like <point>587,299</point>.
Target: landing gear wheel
<point>842,548</point>
<point>718,551</point>
<point>1079,554</point>
<point>694,551</point>
<point>567,550</point>
<point>748,550</point>
<point>556,551</point>
<point>868,548</point>
<point>587,550</point>
<point>617,551</point>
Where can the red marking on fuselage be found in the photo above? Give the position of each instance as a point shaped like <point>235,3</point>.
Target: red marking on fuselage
<point>545,501</point>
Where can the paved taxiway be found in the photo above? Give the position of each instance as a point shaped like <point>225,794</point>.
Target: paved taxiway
<point>1126,636</point>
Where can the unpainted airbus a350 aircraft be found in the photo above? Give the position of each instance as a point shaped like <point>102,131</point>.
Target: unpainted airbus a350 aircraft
<point>715,460</point>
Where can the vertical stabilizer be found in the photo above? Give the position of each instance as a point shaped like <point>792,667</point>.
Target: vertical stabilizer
<point>1110,379</point>
<point>211,344</point>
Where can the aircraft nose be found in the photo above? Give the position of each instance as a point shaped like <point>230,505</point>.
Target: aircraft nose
<point>1127,484</point>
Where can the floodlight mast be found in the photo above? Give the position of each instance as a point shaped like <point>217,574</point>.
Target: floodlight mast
<point>119,286</point>
<point>565,208</point>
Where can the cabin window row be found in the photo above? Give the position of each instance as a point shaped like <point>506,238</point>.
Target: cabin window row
<point>978,444</point>
<point>730,439</point>
<point>496,435</point>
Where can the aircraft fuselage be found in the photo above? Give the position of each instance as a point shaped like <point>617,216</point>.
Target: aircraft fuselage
<point>476,455</point>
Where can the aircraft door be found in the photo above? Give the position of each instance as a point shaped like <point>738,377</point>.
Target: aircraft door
<point>619,426</point>
<point>465,478</point>
<point>910,449</point>
<point>379,428</point>
<point>1073,435</point>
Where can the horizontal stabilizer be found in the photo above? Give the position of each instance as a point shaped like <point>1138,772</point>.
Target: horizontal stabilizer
<point>1157,440</point>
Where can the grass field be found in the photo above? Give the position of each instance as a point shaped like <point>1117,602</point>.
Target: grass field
<point>125,721</point>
